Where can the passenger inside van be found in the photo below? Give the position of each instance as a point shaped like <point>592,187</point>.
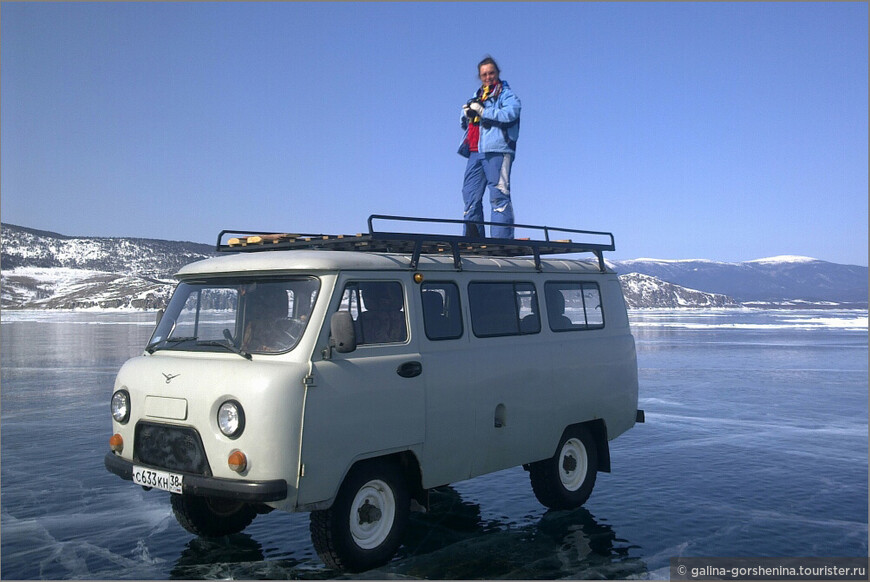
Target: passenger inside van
<point>556,310</point>
<point>383,321</point>
<point>531,323</point>
<point>265,317</point>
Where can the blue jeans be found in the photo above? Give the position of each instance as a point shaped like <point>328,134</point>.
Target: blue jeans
<point>492,171</point>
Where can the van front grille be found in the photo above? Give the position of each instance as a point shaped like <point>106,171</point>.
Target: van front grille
<point>176,448</point>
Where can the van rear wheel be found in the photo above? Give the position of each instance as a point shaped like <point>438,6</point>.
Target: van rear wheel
<point>565,481</point>
<point>363,528</point>
<point>211,517</point>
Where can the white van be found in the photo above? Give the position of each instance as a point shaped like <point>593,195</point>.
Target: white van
<point>348,375</point>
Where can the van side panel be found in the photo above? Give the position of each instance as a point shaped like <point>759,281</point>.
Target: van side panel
<point>481,404</point>
<point>526,389</point>
<point>451,394</point>
<point>355,410</point>
<point>517,420</point>
<point>591,382</point>
<point>357,406</point>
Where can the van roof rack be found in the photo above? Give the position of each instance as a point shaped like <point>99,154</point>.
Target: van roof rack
<point>416,244</point>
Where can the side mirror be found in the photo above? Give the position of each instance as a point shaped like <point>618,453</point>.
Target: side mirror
<point>159,315</point>
<point>343,335</point>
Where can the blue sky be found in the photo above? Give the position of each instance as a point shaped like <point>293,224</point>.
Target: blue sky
<point>726,131</point>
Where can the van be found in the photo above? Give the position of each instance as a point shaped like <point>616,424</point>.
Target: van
<point>346,376</point>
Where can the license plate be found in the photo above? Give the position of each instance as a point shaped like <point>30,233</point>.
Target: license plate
<point>160,479</point>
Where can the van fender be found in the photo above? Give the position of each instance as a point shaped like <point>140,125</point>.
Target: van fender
<point>406,460</point>
<point>598,428</point>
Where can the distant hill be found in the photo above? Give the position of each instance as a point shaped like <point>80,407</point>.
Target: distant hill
<point>46,270</point>
<point>53,271</point>
<point>27,247</point>
<point>775,279</point>
<point>644,291</point>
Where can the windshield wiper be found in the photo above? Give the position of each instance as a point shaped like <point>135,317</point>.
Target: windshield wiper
<point>152,347</point>
<point>227,345</point>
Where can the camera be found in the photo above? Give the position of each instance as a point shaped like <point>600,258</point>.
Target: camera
<point>470,114</point>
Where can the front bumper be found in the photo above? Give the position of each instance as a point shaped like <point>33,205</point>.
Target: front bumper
<point>249,491</point>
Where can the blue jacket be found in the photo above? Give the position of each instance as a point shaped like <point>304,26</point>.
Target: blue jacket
<point>499,124</point>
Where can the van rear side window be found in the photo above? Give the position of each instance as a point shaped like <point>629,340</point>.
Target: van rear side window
<point>442,312</point>
<point>503,309</point>
<point>573,306</point>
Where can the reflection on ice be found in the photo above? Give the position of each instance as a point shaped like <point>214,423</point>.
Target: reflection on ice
<point>451,541</point>
<point>237,556</point>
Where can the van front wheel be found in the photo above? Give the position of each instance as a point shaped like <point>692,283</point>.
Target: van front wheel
<point>211,517</point>
<point>363,528</point>
<point>565,481</point>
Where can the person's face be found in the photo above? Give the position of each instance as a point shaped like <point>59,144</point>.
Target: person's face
<point>488,74</point>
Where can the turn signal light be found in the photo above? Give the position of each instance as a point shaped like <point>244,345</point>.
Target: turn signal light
<point>237,461</point>
<point>116,443</point>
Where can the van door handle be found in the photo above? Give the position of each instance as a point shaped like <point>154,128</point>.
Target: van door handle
<point>410,369</point>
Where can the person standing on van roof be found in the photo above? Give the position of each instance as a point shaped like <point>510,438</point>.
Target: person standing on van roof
<point>491,120</point>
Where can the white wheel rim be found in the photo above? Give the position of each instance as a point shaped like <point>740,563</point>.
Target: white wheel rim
<point>573,464</point>
<point>372,513</point>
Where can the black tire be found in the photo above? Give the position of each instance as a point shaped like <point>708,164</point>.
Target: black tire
<point>364,527</point>
<point>211,517</point>
<point>565,480</point>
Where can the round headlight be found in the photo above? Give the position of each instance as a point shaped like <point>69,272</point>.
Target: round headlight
<point>121,406</point>
<point>231,418</point>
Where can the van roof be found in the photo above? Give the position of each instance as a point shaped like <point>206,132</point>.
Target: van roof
<point>416,245</point>
<point>313,261</point>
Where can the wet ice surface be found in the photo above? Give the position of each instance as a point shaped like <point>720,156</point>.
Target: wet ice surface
<point>755,445</point>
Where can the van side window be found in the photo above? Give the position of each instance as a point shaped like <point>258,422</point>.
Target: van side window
<point>503,309</point>
<point>592,305</point>
<point>442,313</point>
<point>378,311</point>
<point>527,303</point>
<point>573,306</point>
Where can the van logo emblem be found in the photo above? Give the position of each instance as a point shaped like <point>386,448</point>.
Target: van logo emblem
<point>169,377</point>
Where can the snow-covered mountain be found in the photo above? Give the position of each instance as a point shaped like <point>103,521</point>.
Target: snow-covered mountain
<point>52,271</point>
<point>644,291</point>
<point>773,279</point>
<point>44,270</point>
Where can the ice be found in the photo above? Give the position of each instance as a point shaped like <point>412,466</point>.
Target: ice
<point>95,316</point>
<point>752,319</point>
<point>859,323</point>
<point>755,442</point>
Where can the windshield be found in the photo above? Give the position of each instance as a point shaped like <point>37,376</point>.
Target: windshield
<point>242,316</point>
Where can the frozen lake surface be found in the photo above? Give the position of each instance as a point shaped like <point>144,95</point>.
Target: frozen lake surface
<point>755,444</point>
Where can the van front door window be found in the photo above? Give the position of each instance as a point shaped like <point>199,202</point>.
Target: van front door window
<point>378,310</point>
